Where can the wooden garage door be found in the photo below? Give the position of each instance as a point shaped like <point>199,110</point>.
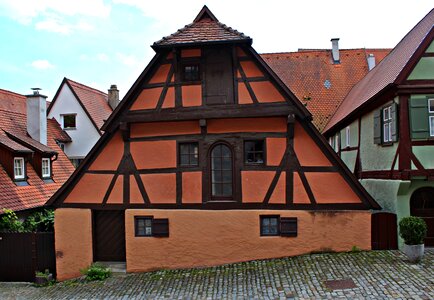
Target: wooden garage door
<point>422,205</point>
<point>109,235</point>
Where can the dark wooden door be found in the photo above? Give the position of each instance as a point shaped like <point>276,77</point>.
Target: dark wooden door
<point>218,76</point>
<point>384,231</point>
<point>422,205</point>
<point>109,235</point>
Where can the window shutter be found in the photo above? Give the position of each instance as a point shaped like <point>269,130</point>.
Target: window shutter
<point>394,124</point>
<point>160,227</point>
<point>288,226</point>
<point>419,117</point>
<point>377,126</point>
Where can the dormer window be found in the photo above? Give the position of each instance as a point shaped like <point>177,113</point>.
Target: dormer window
<point>46,168</point>
<point>191,72</point>
<point>69,121</point>
<point>19,168</point>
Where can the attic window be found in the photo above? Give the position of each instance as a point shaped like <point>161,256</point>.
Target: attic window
<point>191,72</point>
<point>19,168</point>
<point>46,172</point>
<point>69,121</point>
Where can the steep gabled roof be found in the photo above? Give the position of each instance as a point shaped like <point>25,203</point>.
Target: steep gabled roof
<point>13,133</point>
<point>204,29</point>
<point>317,81</point>
<point>389,72</point>
<point>93,102</point>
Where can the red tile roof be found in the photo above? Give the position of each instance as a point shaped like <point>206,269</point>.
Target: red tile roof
<point>385,73</point>
<point>319,83</point>
<point>11,101</point>
<point>204,29</point>
<point>37,192</point>
<point>93,100</point>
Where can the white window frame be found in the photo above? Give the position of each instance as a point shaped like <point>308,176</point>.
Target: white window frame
<point>336,144</point>
<point>48,168</point>
<point>21,168</point>
<point>387,122</point>
<point>429,106</point>
<point>431,126</point>
<point>347,136</point>
<point>63,121</point>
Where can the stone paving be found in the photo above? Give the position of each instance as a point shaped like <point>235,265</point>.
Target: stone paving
<point>372,275</point>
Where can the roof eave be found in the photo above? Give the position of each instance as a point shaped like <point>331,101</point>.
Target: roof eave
<point>156,46</point>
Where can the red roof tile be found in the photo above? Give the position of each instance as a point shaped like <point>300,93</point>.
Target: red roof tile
<point>37,192</point>
<point>385,73</point>
<point>11,101</point>
<point>93,100</point>
<point>319,83</point>
<point>204,29</point>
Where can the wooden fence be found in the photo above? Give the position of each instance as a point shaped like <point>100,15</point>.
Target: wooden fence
<point>22,254</point>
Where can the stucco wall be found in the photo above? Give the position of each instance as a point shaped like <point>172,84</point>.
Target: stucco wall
<point>425,155</point>
<point>204,238</point>
<point>73,241</point>
<point>85,135</point>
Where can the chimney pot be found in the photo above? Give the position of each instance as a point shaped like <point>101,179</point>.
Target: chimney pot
<point>37,116</point>
<point>371,61</point>
<point>113,96</point>
<point>335,50</point>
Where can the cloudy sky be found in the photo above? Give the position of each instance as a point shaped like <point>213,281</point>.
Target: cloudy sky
<point>103,42</point>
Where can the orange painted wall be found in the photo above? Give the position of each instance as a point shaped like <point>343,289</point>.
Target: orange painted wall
<point>161,188</point>
<point>73,241</point>
<point>147,99</point>
<point>266,92</point>
<point>341,192</point>
<point>299,196</point>
<point>247,125</point>
<point>117,193</point>
<point>255,185</point>
<point>161,75</point>
<point>190,52</point>
<point>250,69</point>
<point>91,188</point>
<point>191,95</point>
<point>192,187</point>
<point>243,94</point>
<point>275,149</point>
<point>111,156</point>
<point>279,194</point>
<point>201,238</point>
<point>308,152</point>
<point>164,128</point>
<point>154,154</point>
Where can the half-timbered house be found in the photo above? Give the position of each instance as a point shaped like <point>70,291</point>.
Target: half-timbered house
<point>209,159</point>
<point>384,131</point>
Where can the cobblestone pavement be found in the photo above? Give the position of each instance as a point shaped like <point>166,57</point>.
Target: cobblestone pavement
<point>372,275</point>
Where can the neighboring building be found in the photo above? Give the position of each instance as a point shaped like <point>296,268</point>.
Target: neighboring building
<point>322,78</point>
<point>32,166</point>
<point>81,111</point>
<point>208,160</point>
<point>384,129</point>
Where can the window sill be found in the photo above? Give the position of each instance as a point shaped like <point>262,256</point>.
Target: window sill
<point>70,128</point>
<point>388,144</point>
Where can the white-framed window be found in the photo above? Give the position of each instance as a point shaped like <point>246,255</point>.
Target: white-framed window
<point>431,105</point>
<point>387,124</point>
<point>431,125</point>
<point>46,172</point>
<point>431,117</point>
<point>69,121</point>
<point>19,168</point>
<point>336,143</point>
<point>347,136</point>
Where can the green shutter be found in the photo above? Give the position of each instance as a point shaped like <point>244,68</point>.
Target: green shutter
<point>419,117</point>
<point>394,124</point>
<point>377,126</point>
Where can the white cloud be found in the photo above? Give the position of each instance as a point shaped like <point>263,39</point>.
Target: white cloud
<point>53,25</point>
<point>42,64</point>
<point>129,60</point>
<point>102,57</point>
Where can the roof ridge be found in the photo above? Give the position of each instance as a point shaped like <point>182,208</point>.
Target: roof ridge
<point>323,50</point>
<point>86,86</point>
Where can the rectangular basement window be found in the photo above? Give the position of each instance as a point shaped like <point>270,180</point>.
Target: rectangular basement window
<point>274,225</point>
<point>150,227</point>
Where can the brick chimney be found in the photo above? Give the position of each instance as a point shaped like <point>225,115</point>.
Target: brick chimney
<point>335,50</point>
<point>371,61</point>
<point>37,116</point>
<point>113,96</point>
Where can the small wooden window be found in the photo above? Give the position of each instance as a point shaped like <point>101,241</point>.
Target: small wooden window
<point>150,227</point>
<point>387,124</point>
<point>19,172</point>
<point>254,152</point>
<point>269,225</point>
<point>221,172</point>
<point>191,72</point>
<point>288,227</point>
<point>69,121</point>
<point>46,168</point>
<point>188,154</point>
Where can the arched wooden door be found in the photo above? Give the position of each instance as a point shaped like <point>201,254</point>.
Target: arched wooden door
<point>422,205</point>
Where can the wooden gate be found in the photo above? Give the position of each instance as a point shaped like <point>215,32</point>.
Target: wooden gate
<point>109,235</point>
<point>384,231</point>
<point>22,254</point>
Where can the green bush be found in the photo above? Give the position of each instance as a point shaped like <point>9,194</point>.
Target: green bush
<point>42,221</point>
<point>96,272</point>
<point>412,230</point>
<point>9,221</point>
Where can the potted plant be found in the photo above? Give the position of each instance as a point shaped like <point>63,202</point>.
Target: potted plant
<point>43,278</point>
<point>413,231</point>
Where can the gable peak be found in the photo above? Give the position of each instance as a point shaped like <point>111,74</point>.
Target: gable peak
<point>205,13</point>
